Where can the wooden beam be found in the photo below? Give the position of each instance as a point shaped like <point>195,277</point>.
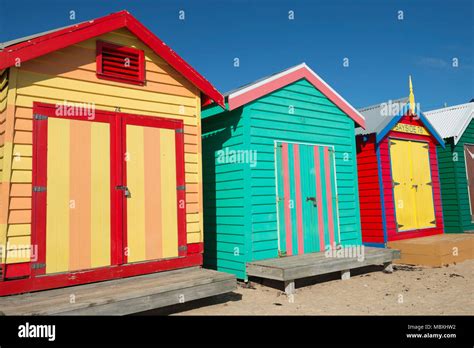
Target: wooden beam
<point>123,296</point>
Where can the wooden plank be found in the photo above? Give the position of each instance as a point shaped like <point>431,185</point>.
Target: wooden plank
<point>334,265</point>
<point>435,251</point>
<point>159,300</point>
<point>308,265</point>
<point>123,296</point>
<point>59,300</point>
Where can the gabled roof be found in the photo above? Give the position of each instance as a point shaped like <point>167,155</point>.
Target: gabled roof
<point>376,117</point>
<point>384,116</point>
<point>43,43</point>
<point>452,121</point>
<point>266,85</point>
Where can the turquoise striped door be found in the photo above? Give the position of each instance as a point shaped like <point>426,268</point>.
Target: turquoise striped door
<point>307,198</point>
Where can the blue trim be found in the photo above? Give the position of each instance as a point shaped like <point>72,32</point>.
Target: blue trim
<point>382,201</point>
<point>384,132</point>
<point>433,131</point>
<point>375,245</point>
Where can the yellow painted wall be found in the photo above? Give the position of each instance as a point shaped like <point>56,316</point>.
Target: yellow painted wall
<point>70,75</point>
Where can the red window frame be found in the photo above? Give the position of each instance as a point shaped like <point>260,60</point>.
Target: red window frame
<point>117,77</point>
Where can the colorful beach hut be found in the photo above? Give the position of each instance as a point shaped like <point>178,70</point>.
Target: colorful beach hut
<point>456,165</point>
<point>398,173</point>
<point>279,168</point>
<point>101,156</point>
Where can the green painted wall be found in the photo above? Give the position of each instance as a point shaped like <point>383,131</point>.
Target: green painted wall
<point>224,195</point>
<point>452,169</point>
<point>240,199</point>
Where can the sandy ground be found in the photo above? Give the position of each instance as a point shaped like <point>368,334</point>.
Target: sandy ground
<point>409,290</point>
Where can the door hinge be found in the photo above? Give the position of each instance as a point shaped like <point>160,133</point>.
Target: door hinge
<point>429,183</point>
<point>181,188</point>
<point>40,117</point>
<point>399,226</point>
<point>394,183</point>
<point>39,189</point>
<point>433,222</point>
<point>38,265</point>
<point>183,248</point>
<point>179,130</point>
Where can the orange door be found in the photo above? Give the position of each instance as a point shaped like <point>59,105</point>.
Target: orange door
<point>107,191</point>
<point>77,234</point>
<point>153,189</point>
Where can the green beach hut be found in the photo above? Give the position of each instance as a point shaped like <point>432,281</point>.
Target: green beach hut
<point>279,171</point>
<point>456,165</point>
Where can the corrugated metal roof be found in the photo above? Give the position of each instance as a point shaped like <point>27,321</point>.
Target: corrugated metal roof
<point>452,121</point>
<point>379,115</point>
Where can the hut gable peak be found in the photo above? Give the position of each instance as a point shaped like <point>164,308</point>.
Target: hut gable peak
<point>27,48</point>
<point>267,85</point>
<point>381,124</point>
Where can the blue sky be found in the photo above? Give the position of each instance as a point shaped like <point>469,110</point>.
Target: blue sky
<point>382,50</point>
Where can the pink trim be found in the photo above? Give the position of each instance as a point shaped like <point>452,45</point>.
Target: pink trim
<point>303,72</point>
<point>327,168</point>
<point>286,192</point>
<point>319,198</point>
<point>299,216</point>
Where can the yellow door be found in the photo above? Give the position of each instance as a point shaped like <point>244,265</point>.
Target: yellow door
<point>404,194</point>
<point>78,195</point>
<point>152,228</point>
<point>422,185</point>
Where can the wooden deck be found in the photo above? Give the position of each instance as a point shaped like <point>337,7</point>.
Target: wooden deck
<point>435,251</point>
<point>122,296</point>
<point>289,268</point>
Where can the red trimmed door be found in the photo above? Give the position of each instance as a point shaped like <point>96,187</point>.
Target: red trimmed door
<point>307,198</point>
<point>412,185</point>
<point>107,190</point>
<point>153,189</point>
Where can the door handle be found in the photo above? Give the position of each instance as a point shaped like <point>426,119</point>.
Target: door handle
<point>313,199</point>
<point>125,190</point>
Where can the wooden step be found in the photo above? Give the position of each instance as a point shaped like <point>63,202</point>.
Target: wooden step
<point>435,251</point>
<point>289,268</point>
<point>123,296</point>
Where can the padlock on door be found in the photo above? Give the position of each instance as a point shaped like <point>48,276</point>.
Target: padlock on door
<point>125,190</point>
